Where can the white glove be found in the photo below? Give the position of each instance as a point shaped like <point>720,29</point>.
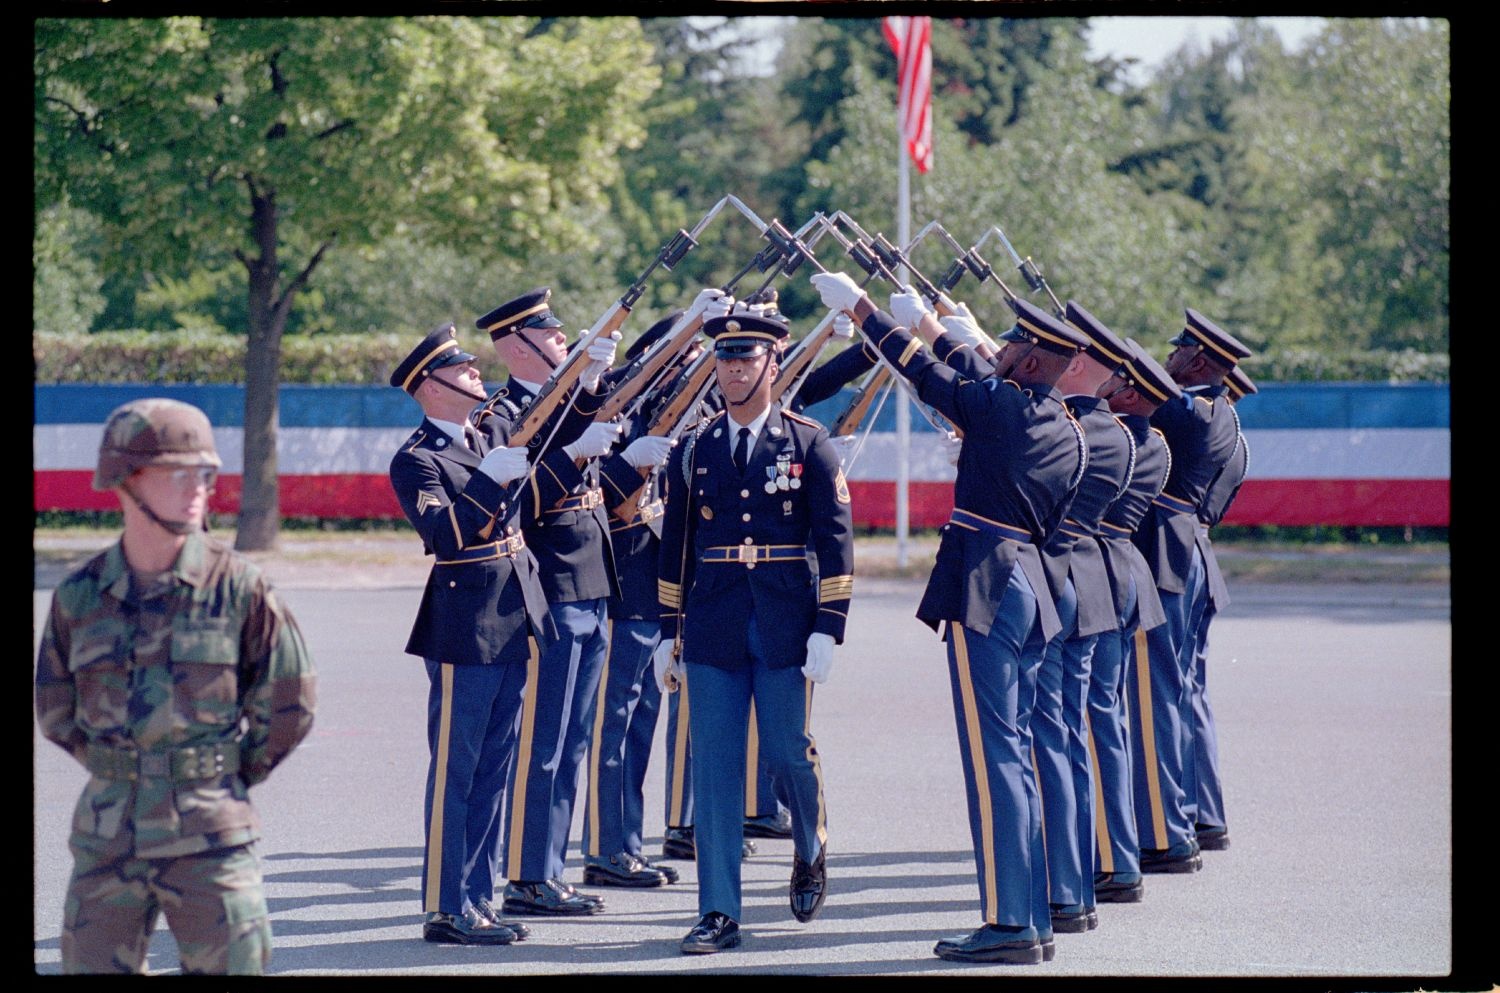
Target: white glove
<point>843,325</point>
<point>596,440</point>
<point>819,657</point>
<point>648,450</point>
<point>962,310</point>
<point>907,307</point>
<point>666,668</point>
<point>712,302</point>
<point>601,355</point>
<point>951,444</point>
<point>838,291</point>
<point>845,444</point>
<point>504,465</point>
<point>965,331</point>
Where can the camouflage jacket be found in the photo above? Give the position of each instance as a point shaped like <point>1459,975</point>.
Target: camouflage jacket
<point>206,658</point>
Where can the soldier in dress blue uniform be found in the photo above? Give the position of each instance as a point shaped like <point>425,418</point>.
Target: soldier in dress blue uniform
<point>1200,430</point>
<point>1133,393</point>
<point>1080,581</point>
<point>627,707</point>
<point>749,495</point>
<point>565,526</point>
<point>1018,468</point>
<point>1202,772</point>
<point>478,625</point>
<point>765,816</point>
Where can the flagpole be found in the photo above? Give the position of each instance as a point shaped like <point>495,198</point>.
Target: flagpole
<point>903,405</point>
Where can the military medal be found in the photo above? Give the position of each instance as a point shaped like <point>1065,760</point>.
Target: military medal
<point>783,464</point>
<point>771,479</point>
<point>796,480</point>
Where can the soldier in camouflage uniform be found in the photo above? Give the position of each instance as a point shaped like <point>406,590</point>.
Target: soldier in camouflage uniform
<point>174,674</point>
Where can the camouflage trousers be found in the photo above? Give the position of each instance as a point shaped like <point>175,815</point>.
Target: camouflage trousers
<point>214,903</point>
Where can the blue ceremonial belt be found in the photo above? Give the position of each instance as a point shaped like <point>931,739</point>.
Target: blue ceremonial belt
<point>975,522</point>
<point>1115,531</point>
<point>642,515</point>
<point>1175,504</point>
<point>749,555</point>
<point>503,549</point>
<point>1073,529</point>
<point>587,500</point>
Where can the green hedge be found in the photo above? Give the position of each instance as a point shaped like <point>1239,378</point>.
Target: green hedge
<point>212,357</point>
<point>215,357</point>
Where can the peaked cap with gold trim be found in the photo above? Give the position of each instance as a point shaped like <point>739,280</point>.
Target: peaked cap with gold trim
<point>529,310</point>
<point>1222,346</point>
<point>1148,377</point>
<point>1104,347</point>
<point>438,349</point>
<point>1035,326</point>
<point>745,335</point>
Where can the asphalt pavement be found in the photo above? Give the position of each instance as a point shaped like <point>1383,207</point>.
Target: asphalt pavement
<point>1334,706</point>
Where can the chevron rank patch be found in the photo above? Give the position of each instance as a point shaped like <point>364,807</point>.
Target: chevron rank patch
<point>426,500</point>
<point>841,487</point>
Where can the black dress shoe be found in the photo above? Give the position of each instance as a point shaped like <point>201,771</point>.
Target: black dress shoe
<point>548,898</point>
<point>1212,839</point>
<point>621,869</point>
<point>489,912</point>
<point>1074,919</point>
<point>468,928</point>
<point>714,933</point>
<point>993,943</point>
<point>1181,857</point>
<point>586,897</point>
<point>1119,887</point>
<point>677,843</point>
<point>666,870</point>
<point>1049,947</point>
<point>809,886</point>
<point>777,825</point>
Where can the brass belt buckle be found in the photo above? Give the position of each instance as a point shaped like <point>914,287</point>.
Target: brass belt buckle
<point>746,554</point>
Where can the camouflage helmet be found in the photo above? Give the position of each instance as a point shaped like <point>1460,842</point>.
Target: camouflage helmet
<point>153,431</point>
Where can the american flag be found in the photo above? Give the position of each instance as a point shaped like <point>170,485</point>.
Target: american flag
<point>911,38</point>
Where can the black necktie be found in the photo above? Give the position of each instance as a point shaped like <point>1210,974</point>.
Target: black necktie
<point>742,450</point>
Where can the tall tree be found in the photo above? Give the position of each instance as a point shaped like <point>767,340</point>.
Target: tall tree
<point>1126,255</point>
<point>277,140</point>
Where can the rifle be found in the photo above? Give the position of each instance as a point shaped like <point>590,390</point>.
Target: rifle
<point>559,386</point>
<point>693,384</point>
<point>646,370</point>
<point>871,262</point>
<point>893,258</point>
<point>799,362</point>
<point>1029,271</point>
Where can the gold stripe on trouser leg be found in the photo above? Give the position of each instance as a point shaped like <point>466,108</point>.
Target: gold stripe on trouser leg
<point>817,763</point>
<point>1101,819</point>
<point>439,791</point>
<point>1148,738</point>
<point>523,763</point>
<point>752,764</point>
<point>1041,808</point>
<point>592,834</point>
<point>981,770</point>
<point>679,753</point>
